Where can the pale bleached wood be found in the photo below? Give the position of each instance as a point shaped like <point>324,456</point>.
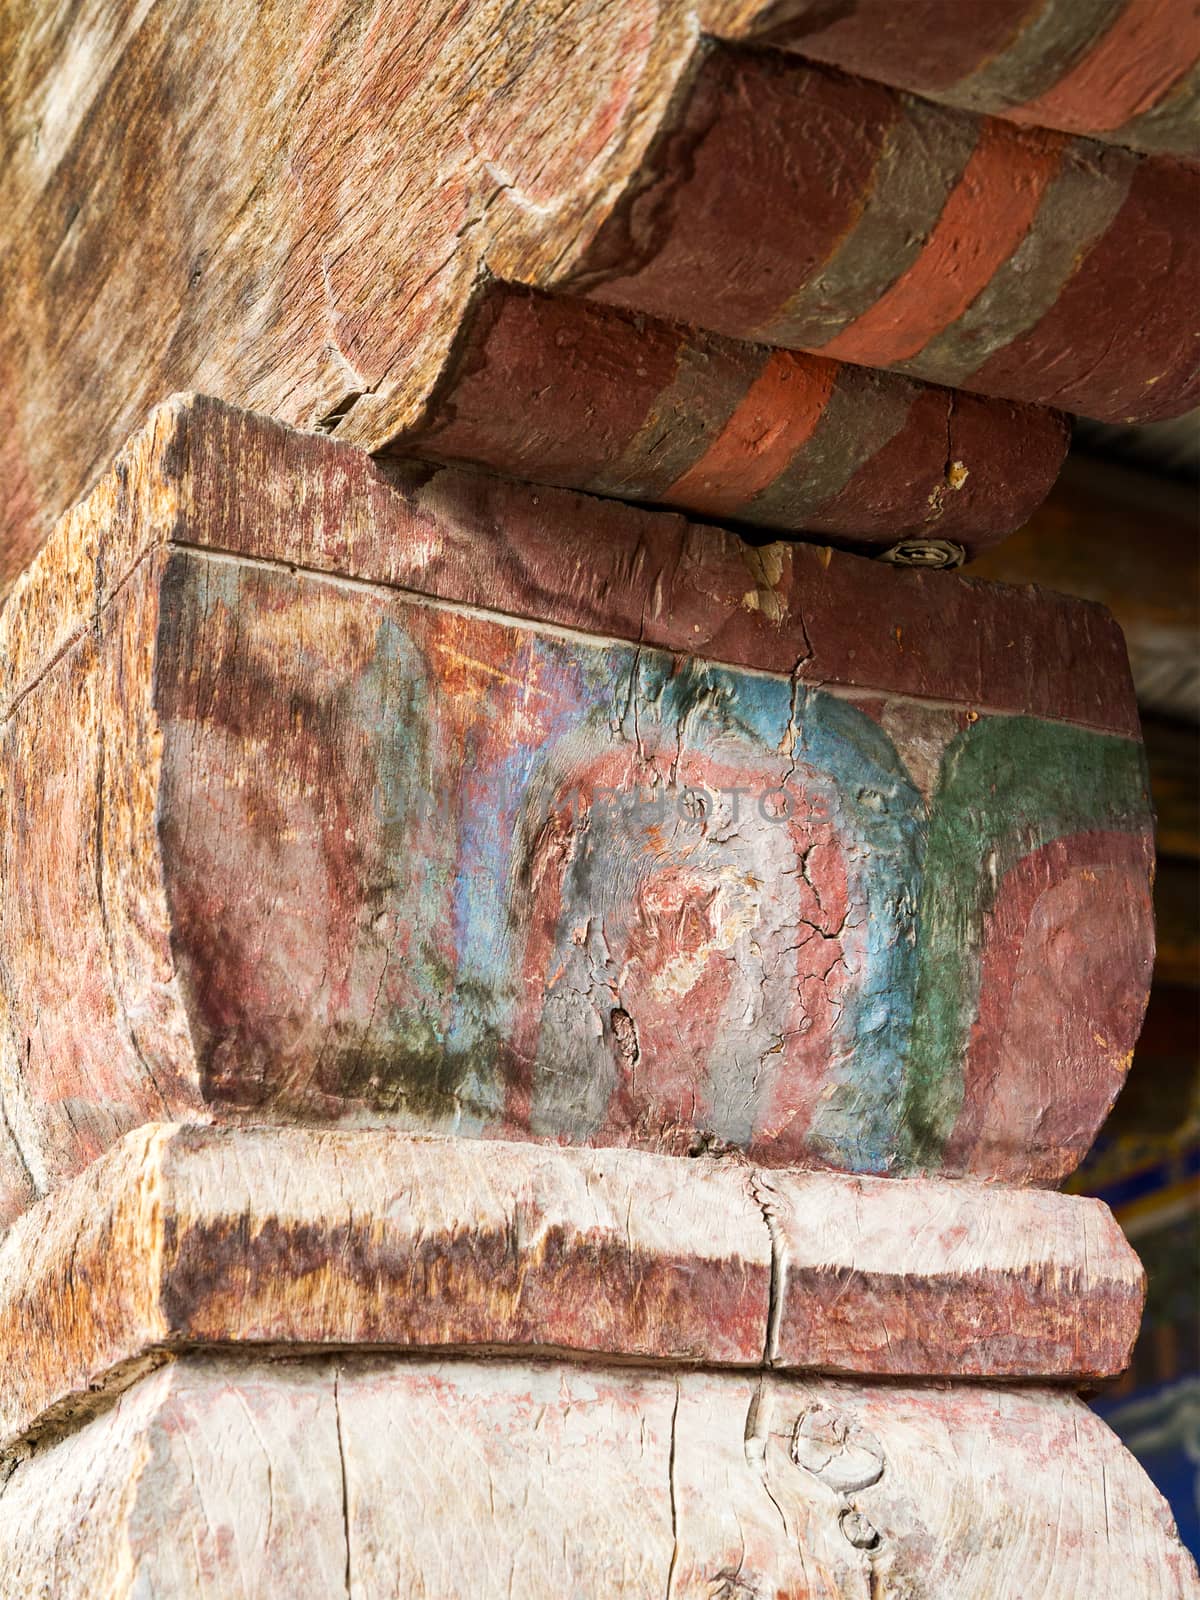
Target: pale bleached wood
<point>305,815</point>
<point>200,1236</point>
<point>931,1281</point>
<point>294,1237</point>
<point>387,1480</point>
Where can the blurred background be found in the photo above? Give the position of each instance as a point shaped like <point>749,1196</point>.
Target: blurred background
<point>1123,526</point>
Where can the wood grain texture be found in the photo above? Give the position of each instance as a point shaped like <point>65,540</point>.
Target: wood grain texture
<point>1004,260</point>
<point>387,1478</point>
<point>926,1279</point>
<point>584,396</point>
<point>289,1237</point>
<point>316,249</point>
<point>308,844</point>
<point>1127,71</point>
<point>202,474</point>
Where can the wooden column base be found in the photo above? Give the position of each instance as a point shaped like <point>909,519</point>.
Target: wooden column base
<point>281,1237</point>
<point>471,1480</point>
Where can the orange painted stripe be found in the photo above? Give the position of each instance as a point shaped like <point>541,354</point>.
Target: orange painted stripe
<point>776,416</point>
<point>1149,47</point>
<point>989,211</point>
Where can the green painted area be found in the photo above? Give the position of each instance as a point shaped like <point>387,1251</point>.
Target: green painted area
<point>1008,786</point>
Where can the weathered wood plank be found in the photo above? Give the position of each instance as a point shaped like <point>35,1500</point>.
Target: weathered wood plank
<point>1122,70</point>
<point>201,1236</point>
<point>380,1477</point>
<point>581,395</point>
<point>278,841</point>
<point>283,1237</point>
<point>315,249</point>
<point>927,1279</point>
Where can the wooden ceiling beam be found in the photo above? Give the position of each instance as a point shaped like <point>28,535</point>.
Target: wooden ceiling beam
<point>298,209</point>
<point>1125,71</point>
<point>586,396</point>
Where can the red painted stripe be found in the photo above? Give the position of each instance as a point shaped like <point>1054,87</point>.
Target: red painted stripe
<point>1150,46</point>
<point>988,213</point>
<point>776,416</point>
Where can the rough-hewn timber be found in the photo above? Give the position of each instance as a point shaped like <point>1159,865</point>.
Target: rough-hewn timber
<point>283,1236</point>
<point>588,397</point>
<point>1121,70</point>
<point>928,1274</point>
<point>306,843</point>
<point>332,184</point>
<point>384,1478</point>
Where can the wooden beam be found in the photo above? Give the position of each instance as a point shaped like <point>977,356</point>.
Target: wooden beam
<point>584,396</point>
<point>315,249</point>
<point>285,1237</point>
<point>1127,72</point>
<point>282,836</point>
<point>1011,265</point>
<point>478,1480</point>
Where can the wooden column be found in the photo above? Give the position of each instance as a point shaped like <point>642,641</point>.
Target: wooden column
<point>543,1009</point>
<point>529,1026</point>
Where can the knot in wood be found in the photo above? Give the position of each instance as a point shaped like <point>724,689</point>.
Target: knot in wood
<point>930,553</point>
<point>861,1533</point>
<point>837,1450</point>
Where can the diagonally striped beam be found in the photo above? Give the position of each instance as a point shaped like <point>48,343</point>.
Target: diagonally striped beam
<point>1125,71</point>
<point>584,396</point>
<point>799,208</point>
<point>318,250</point>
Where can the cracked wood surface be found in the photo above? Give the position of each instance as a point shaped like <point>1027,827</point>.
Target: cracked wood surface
<point>325,189</point>
<point>279,843</point>
<point>215,1236</point>
<point>200,474</point>
<point>1127,71</point>
<point>378,1477</point>
<point>576,394</point>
